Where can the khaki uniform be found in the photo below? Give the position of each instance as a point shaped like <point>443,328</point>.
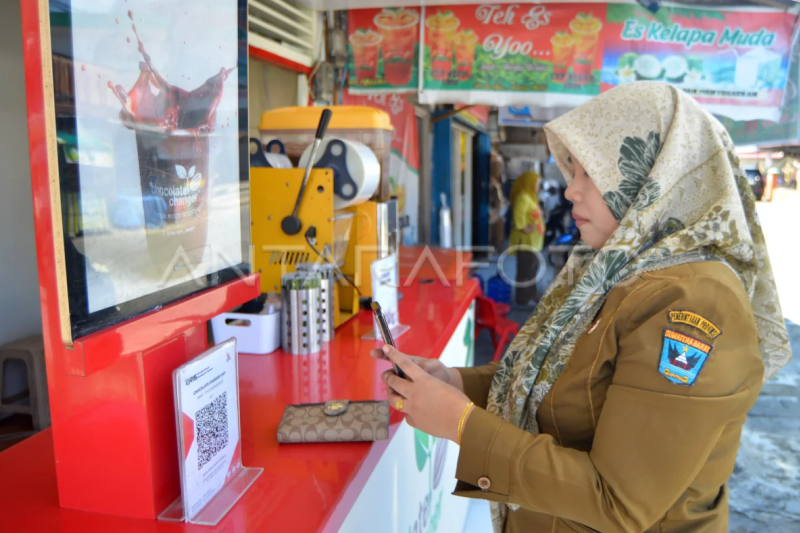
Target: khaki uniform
<point>622,447</point>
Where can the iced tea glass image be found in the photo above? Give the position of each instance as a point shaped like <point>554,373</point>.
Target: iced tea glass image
<point>441,30</point>
<point>465,42</point>
<point>563,50</point>
<point>585,30</point>
<point>399,28</point>
<point>365,45</point>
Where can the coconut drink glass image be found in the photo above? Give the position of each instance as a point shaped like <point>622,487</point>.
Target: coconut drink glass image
<point>399,29</point>
<point>585,30</point>
<point>365,45</point>
<point>441,30</point>
<point>465,42</point>
<point>563,49</point>
<point>172,129</point>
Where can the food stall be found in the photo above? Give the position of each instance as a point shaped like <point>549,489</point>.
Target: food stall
<point>147,216</point>
<point>152,220</point>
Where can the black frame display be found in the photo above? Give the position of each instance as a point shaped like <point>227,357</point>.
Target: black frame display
<point>65,68</point>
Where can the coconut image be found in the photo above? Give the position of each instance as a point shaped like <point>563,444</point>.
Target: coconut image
<point>675,68</point>
<point>648,67</point>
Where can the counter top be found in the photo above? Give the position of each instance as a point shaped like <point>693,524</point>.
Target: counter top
<point>305,487</point>
<point>424,262</point>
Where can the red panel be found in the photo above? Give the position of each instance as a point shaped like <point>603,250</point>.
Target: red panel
<point>278,60</point>
<point>308,487</point>
<point>446,266</point>
<point>99,350</point>
<point>158,364</point>
<point>112,437</point>
<point>101,440</point>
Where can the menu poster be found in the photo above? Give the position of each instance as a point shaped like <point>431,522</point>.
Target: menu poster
<point>383,46</point>
<point>510,51</point>
<point>207,399</point>
<point>149,121</point>
<point>385,281</point>
<point>735,63</point>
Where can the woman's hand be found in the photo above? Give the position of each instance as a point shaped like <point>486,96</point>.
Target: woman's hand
<point>430,404</point>
<point>433,367</point>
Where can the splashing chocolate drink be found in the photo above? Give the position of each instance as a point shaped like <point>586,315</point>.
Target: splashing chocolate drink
<point>172,128</point>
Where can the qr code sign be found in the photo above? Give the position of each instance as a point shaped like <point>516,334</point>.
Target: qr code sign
<point>212,429</point>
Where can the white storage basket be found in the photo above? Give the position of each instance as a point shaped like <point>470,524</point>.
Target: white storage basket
<point>258,334</point>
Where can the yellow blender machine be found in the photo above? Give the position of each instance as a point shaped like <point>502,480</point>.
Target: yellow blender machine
<point>338,213</point>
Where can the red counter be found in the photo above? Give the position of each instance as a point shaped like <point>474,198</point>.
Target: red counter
<point>423,262</point>
<point>307,487</point>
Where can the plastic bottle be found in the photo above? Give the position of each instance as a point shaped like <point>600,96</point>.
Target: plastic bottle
<point>445,224</point>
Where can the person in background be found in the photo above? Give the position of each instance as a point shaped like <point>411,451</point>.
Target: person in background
<point>619,405</point>
<point>527,234</point>
<point>498,204</point>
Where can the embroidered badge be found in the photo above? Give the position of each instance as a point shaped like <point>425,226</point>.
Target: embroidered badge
<point>694,320</point>
<point>682,357</point>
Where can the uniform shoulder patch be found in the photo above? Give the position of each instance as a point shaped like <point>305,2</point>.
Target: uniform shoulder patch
<point>682,357</point>
<point>694,320</point>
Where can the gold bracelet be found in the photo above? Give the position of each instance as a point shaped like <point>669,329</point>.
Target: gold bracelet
<point>462,419</point>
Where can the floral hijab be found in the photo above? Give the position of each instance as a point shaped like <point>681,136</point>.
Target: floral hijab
<point>668,172</point>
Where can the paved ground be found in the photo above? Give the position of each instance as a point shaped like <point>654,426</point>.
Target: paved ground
<point>765,486</point>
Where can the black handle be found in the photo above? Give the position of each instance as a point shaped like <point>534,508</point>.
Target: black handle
<point>323,123</point>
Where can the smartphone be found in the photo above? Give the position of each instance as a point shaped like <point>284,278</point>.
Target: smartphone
<point>386,334</point>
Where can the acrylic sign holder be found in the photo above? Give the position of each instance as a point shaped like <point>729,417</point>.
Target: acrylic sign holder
<point>239,478</point>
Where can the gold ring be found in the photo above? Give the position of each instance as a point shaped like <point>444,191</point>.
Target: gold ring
<point>399,404</point>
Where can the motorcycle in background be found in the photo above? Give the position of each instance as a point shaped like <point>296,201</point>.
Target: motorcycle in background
<point>556,209</point>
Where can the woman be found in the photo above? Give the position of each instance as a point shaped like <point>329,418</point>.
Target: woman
<point>619,405</point>
<point>498,205</point>
<point>527,234</point>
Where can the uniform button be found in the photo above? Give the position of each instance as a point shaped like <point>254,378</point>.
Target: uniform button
<point>484,483</point>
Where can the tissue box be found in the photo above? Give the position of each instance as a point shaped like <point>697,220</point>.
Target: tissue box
<point>258,334</point>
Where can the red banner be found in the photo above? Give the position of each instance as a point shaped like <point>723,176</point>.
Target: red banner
<point>383,49</point>
<point>514,49</point>
<point>404,162</point>
<point>404,120</point>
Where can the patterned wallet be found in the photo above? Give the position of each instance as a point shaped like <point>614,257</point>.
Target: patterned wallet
<point>335,421</point>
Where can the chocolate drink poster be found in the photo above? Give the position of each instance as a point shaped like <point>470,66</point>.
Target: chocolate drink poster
<point>156,112</point>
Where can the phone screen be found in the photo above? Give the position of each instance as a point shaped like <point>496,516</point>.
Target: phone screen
<point>386,334</point>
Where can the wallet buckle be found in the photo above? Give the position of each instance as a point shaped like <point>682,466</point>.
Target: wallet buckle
<point>335,407</point>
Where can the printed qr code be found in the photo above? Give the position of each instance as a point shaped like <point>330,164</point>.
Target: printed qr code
<point>212,429</point>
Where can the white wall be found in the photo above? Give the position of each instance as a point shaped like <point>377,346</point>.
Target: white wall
<point>19,285</point>
<point>270,87</point>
